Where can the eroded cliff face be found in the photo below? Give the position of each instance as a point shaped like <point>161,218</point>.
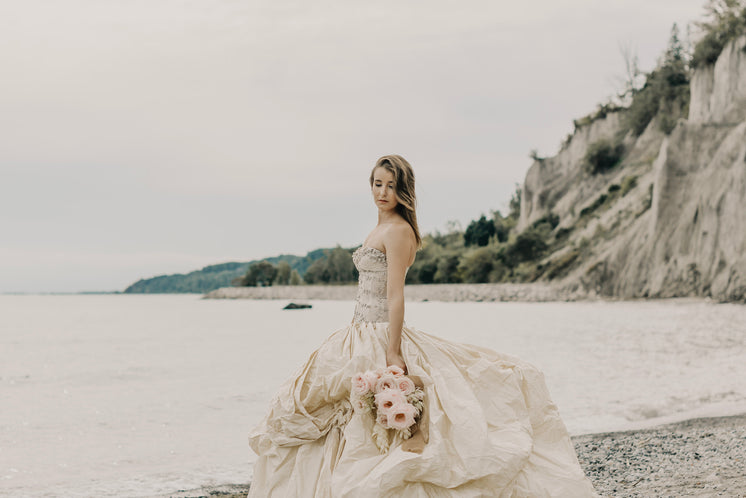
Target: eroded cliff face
<point>681,230</point>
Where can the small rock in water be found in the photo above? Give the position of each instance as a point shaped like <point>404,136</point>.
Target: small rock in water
<point>296,306</point>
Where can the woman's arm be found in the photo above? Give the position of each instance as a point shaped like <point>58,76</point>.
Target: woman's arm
<point>396,242</point>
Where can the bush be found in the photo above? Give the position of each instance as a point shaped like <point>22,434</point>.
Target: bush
<point>476,266</point>
<point>602,155</point>
<point>727,22</point>
<point>665,93</point>
<point>560,266</point>
<point>529,245</point>
<point>628,183</point>
<point>600,200</point>
<point>550,218</point>
<point>447,269</point>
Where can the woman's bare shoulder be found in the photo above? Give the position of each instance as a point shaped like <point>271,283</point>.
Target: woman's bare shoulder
<point>400,234</point>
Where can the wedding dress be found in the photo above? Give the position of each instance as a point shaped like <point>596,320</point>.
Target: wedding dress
<point>493,429</point>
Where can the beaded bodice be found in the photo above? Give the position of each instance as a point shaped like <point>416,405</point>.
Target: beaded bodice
<point>371,304</point>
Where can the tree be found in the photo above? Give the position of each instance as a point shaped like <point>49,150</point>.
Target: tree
<point>260,274</point>
<point>502,226</point>
<point>283,273</point>
<point>726,20</point>
<point>340,265</point>
<point>295,278</point>
<point>479,232</point>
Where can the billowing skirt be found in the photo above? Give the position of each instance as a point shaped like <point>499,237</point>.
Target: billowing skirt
<point>493,430</point>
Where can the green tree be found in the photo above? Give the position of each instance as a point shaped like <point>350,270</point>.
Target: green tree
<point>283,273</point>
<point>478,232</point>
<point>340,266</point>
<point>665,93</point>
<point>260,274</point>
<point>502,226</point>
<point>317,273</point>
<point>295,278</point>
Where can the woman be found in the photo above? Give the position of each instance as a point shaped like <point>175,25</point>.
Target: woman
<point>492,429</point>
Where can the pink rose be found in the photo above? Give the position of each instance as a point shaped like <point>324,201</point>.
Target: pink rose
<point>372,378</point>
<point>405,385</point>
<point>395,370</point>
<point>387,381</point>
<point>360,385</point>
<point>401,416</point>
<point>387,398</point>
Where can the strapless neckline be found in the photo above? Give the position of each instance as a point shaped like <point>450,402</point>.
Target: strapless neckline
<point>372,248</point>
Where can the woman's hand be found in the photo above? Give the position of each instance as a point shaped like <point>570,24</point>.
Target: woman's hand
<point>394,358</point>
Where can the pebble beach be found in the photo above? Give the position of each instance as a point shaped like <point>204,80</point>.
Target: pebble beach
<point>533,292</point>
<point>696,457</point>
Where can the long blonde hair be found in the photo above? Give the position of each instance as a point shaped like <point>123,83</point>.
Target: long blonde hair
<point>403,189</point>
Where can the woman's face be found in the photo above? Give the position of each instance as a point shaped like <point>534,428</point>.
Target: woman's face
<point>383,189</point>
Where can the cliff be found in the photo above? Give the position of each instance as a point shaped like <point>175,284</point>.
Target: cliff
<point>670,220</point>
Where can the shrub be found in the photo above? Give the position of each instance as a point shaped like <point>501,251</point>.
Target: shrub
<point>447,269</point>
<point>550,218</point>
<point>528,245</point>
<point>600,200</point>
<point>665,93</point>
<point>727,22</point>
<point>602,155</point>
<point>476,266</point>
<point>628,183</point>
<point>561,265</point>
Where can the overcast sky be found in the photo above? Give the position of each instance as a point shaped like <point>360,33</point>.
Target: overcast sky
<point>139,138</point>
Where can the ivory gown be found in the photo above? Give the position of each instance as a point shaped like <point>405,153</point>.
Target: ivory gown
<point>493,428</point>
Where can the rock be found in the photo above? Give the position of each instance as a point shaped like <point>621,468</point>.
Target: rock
<point>680,231</point>
<point>296,306</point>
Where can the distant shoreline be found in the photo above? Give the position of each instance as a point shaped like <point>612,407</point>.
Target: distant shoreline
<point>532,292</point>
<point>416,292</point>
<point>695,457</point>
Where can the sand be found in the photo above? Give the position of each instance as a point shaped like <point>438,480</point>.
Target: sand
<point>697,457</point>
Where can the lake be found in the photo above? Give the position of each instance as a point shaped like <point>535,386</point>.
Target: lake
<point>136,395</point>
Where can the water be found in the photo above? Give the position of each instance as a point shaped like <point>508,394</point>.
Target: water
<point>136,395</point>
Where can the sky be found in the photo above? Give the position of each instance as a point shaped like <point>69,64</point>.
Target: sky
<point>142,138</point>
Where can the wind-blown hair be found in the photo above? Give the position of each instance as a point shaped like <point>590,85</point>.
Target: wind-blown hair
<point>403,189</point>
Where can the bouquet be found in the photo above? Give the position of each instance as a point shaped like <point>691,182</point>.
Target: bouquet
<point>391,399</point>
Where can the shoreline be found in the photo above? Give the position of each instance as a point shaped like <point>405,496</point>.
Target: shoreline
<point>533,292</point>
<point>695,457</point>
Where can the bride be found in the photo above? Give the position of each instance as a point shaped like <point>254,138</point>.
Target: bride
<point>492,429</point>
